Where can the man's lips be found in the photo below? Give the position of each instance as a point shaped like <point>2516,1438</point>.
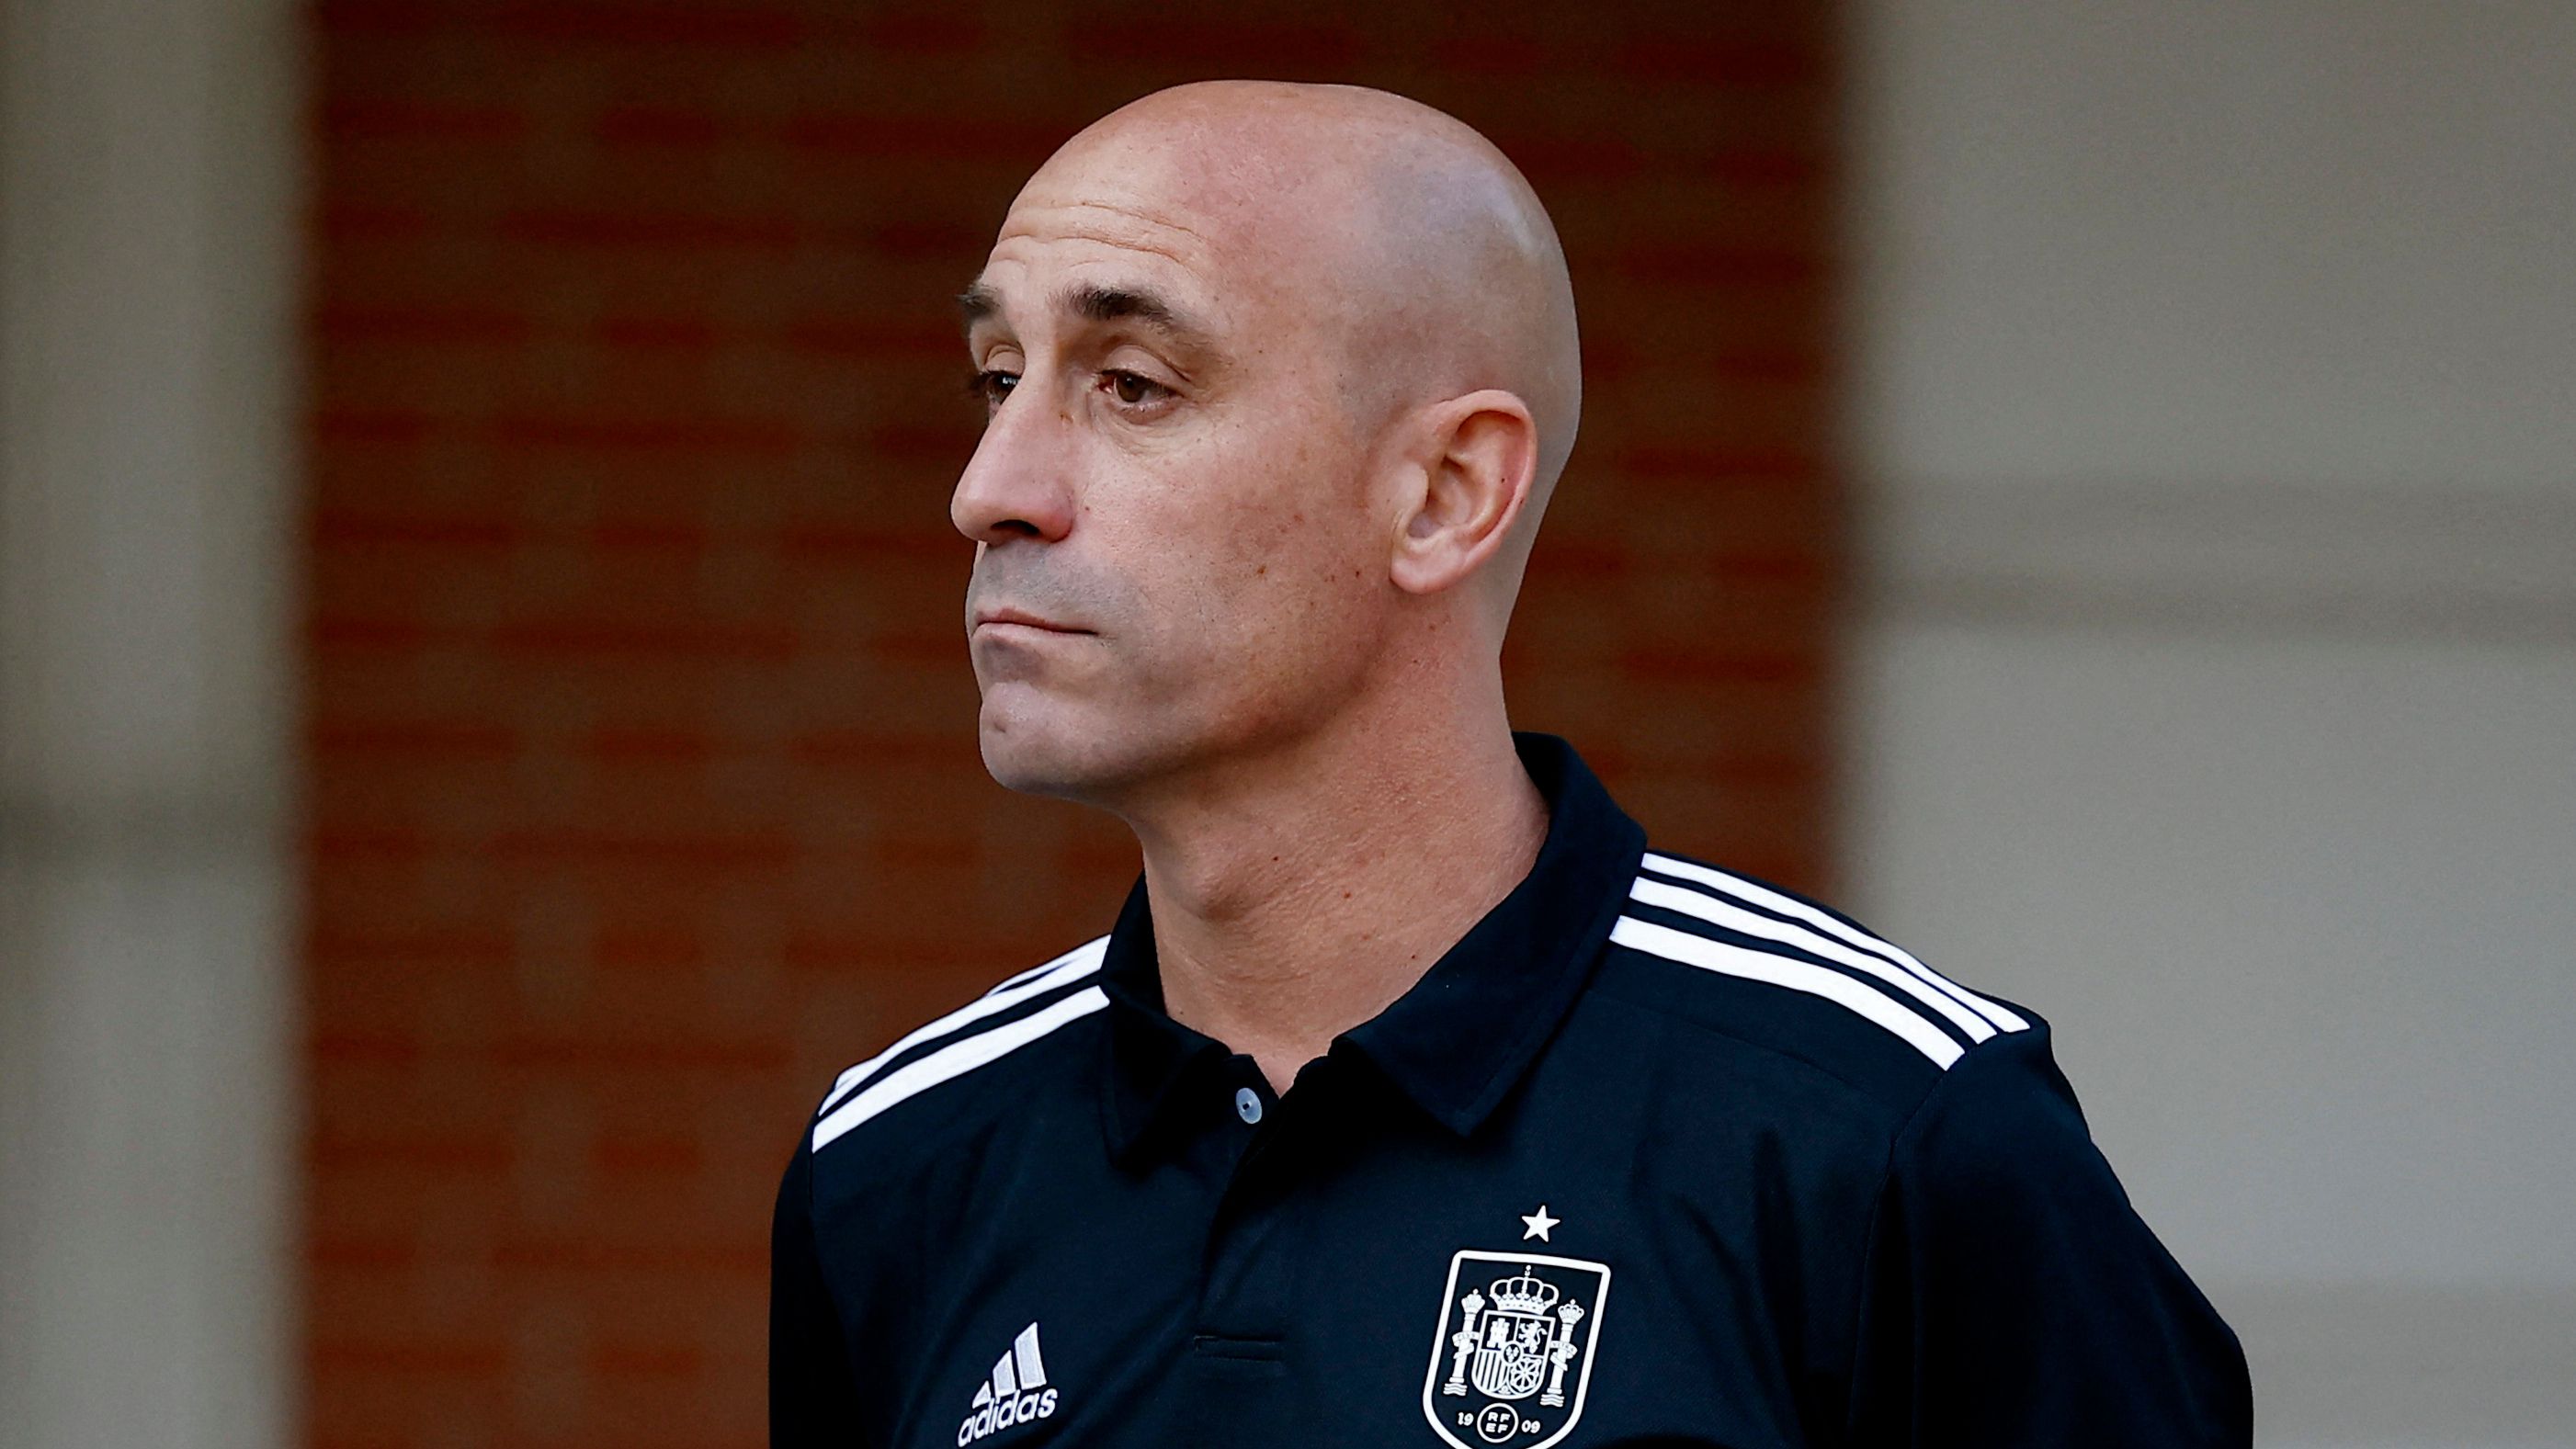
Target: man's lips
<point>1025,620</point>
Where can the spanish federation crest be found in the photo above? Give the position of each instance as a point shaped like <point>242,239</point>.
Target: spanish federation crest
<point>1514,1351</point>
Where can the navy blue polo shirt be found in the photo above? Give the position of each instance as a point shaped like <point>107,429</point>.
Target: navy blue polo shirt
<point>1656,1154</point>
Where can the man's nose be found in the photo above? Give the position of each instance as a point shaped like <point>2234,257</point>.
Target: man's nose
<point>1018,484</point>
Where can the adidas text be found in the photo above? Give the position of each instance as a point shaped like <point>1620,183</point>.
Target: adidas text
<point>1003,1413</point>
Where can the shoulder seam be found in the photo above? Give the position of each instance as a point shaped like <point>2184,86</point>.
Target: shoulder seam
<point>1895,1112</point>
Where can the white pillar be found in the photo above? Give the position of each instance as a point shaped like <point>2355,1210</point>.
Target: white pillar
<point>148,195</point>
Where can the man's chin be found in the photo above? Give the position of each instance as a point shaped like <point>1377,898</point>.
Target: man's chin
<point>1013,767</point>
<point>1037,755</point>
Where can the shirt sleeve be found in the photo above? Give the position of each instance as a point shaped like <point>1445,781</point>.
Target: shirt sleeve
<point>2010,1296</point>
<point>812,1399</point>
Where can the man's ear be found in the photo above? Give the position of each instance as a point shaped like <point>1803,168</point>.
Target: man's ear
<point>1474,475</point>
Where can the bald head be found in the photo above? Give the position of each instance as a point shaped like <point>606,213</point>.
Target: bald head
<point>1279,379</point>
<point>1417,247</point>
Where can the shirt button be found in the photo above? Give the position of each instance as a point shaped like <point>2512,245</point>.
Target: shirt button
<point>1247,1105</point>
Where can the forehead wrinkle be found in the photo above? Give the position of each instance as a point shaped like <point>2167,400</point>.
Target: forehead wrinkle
<point>1017,227</point>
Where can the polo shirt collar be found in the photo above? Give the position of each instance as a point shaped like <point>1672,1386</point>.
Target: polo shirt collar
<point>1461,1038</point>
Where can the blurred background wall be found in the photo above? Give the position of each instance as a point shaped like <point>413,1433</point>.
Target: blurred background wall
<point>2190,660</point>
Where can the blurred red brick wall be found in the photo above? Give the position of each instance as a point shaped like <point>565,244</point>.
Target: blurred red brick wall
<point>644,787</point>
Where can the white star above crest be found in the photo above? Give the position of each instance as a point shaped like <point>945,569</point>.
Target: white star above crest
<point>1539,1224</point>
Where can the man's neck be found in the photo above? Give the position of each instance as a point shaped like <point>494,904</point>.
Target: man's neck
<point>1292,906</point>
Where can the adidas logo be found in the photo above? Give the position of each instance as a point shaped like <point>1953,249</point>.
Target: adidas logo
<point>1015,1394</point>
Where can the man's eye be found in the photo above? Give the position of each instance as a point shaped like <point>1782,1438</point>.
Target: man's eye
<point>992,385</point>
<point>1134,390</point>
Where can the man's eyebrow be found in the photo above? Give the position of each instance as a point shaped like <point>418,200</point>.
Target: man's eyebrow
<point>1110,304</point>
<point>1095,302</point>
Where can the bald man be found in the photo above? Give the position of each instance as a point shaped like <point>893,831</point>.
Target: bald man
<point>1411,1099</point>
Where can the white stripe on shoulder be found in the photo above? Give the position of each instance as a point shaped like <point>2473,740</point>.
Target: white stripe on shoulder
<point>1081,961</point>
<point>1716,912</point>
<point>1095,945</point>
<point>1826,923</point>
<point>954,1060</point>
<point>1834,986</point>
